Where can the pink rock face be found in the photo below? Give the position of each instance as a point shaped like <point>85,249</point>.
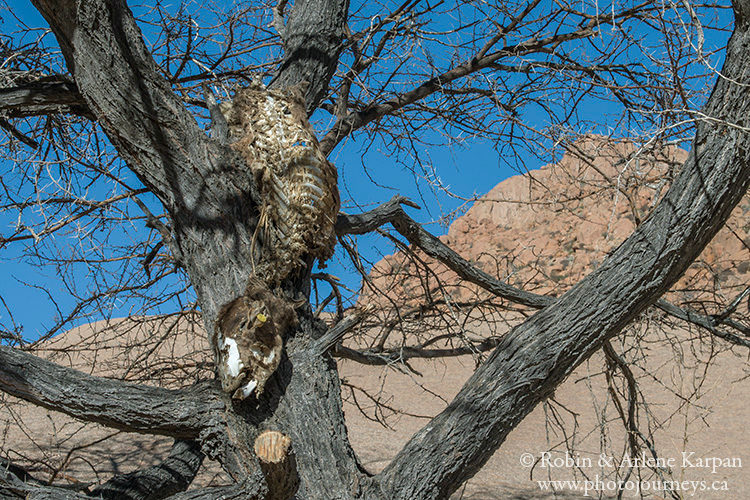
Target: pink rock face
<point>548,228</point>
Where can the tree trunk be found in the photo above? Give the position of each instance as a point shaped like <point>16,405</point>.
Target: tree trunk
<point>209,194</point>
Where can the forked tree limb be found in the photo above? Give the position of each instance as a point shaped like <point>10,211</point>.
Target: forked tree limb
<point>113,403</point>
<point>392,213</point>
<point>369,221</point>
<point>207,193</point>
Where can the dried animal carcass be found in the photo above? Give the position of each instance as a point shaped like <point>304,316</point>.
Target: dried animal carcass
<point>298,186</point>
<point>250,341</point>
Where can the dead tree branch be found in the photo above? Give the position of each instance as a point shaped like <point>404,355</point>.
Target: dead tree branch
<point>116,404</point>
<point>171,476</point>
<point>391,212</point>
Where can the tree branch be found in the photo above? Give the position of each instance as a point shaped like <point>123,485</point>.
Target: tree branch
<point>120,405</point>
<point>401,354</point>
<point>313,40</point>
<point>171,476</point>
<point>480,61</point>
<point>391,212</point>
<point>15,482</point>
<point>8,126</point>
<point>706,322</point>
<point>336,332</point>
<point>371,220</point>
<point>25,491</point>
<point>416,235</point>
<point>53,94</point>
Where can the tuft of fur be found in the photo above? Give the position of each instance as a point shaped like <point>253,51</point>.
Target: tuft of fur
<point>298,185</point>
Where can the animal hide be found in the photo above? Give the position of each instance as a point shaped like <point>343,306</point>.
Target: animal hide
<point>250,330</point>
<point>298,185</point>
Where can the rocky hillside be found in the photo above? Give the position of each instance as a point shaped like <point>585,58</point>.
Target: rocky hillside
<point>545,230</point>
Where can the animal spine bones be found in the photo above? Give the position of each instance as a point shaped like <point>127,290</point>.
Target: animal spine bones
<point>298,185</point>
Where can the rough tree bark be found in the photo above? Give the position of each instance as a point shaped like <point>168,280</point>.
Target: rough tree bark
<point>313,40</point>
<point>40,97</point>
<point>171,476</point>
<point>211,201</point>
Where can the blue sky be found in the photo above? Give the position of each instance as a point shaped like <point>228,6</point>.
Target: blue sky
<point>369,178</point>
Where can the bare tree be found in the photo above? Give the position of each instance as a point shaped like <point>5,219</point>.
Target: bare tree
<point>106,129</point>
